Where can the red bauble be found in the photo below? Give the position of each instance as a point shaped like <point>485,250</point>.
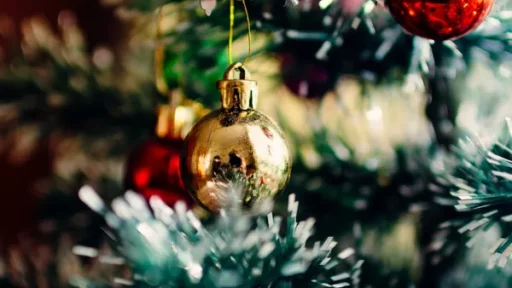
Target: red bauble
<point>306,79</point>
<point>439,19</point>
<point>153,169</point>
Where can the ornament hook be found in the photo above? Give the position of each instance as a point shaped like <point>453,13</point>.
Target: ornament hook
<point>237,89</point>
<point>231,72</point>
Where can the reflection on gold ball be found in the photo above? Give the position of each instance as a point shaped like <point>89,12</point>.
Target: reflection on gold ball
<point>235,142</point>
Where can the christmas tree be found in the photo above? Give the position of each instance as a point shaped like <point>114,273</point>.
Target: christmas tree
<point>386,121</point>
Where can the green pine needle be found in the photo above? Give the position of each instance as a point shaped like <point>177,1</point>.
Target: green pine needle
<point>171,247</point>
<point>479,179</point>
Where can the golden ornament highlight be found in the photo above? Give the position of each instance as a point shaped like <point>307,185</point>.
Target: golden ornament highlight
<point>232,142</point>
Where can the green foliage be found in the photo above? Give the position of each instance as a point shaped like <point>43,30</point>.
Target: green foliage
<point>171,248</point>
<point>479,179</point>
<point>57,84</point>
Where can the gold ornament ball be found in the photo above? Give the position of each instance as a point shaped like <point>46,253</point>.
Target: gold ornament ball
<point>235,144</point>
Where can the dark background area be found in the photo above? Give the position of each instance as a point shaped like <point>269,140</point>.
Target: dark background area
<point>22,184</point>
<point>99,24</point>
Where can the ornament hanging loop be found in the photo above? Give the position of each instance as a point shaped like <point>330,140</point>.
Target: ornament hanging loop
<point>231,31</point>
<point>238,91</point>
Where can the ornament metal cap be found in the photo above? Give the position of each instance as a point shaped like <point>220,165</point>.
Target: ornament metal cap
<point>238,91</point>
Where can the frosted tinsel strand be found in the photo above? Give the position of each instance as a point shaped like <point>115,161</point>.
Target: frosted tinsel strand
<point>479,179</point>
<point>168,247</point>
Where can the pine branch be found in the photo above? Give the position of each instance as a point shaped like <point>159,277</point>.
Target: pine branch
<point>479,180</point>
<point>172,248</point>
<point>55,82</point>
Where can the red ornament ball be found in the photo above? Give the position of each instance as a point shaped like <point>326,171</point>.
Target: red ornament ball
<point>306,79</point>
<point>439,19</point>
<point>153,169</point>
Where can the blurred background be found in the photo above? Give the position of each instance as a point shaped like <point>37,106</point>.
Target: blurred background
<point>89,94</point>
<point>29,170</point>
